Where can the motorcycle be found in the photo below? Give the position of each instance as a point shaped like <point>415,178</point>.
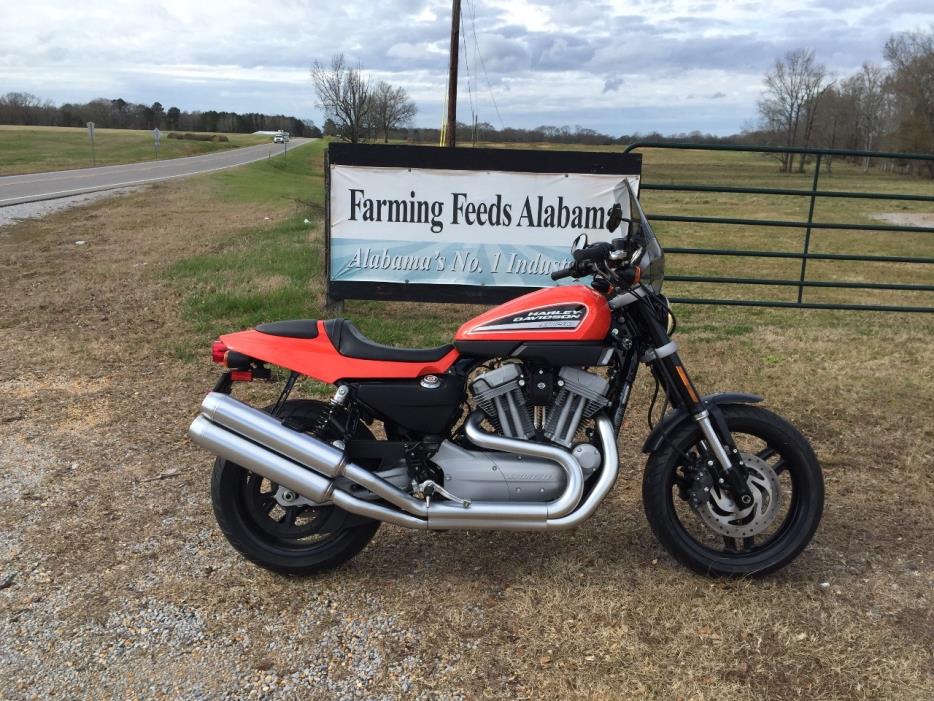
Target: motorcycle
<point>512,427</point>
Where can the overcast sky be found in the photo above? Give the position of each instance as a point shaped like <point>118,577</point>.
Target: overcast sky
<point>615,66</point>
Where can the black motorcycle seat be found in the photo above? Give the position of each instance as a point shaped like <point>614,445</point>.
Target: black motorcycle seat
<point>297,328</point>
<point>351,343</point>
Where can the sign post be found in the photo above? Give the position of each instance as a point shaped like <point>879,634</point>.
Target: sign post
<point>156,141</point>
<point>91,141</point>
<point>425,224</point>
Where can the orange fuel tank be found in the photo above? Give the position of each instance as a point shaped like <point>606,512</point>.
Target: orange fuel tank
<point>568,313</point>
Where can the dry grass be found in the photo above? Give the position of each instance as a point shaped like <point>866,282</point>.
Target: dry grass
<point>94,400</point>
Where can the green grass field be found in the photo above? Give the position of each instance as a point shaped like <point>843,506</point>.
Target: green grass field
<point>40,149</point>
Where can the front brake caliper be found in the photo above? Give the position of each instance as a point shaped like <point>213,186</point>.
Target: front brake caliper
<point>698,493</point>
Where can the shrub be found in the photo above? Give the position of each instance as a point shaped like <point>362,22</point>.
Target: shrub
<point>188,136</point>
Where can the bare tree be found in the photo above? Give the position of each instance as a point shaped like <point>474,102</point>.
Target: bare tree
<point>911,55</point>
<point>869,99</point>
<point>794,88</point>
<point>344,95</point>
<point>391,108</point>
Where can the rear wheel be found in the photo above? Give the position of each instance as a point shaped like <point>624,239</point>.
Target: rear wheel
<point>716,537</point>
<point>272,528</point>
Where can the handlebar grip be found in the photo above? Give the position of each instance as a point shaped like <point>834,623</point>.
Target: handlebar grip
<point>559,274</point>
<point>596,251</point>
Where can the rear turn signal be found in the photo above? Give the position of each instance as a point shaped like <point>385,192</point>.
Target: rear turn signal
<point>218,352</point>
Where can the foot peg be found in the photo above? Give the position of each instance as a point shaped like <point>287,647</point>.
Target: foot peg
<point>429,488</point>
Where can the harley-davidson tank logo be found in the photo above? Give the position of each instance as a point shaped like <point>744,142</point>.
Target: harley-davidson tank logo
<point>561,317</point>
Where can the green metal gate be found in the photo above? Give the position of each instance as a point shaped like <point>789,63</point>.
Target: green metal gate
<point>907,269</point>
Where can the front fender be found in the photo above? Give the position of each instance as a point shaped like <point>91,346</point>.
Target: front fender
<point>673,419</point>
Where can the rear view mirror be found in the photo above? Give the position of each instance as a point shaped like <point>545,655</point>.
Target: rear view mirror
<point>616,216</point>
<point>580,241</point>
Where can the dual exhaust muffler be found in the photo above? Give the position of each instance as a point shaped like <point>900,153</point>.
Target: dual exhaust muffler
<point>258,442</point>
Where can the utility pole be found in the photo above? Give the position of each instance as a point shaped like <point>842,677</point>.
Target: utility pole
<point>450,130</point>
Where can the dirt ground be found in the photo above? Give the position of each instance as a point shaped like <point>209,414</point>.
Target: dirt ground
<point>907,218</point>
<point>116,584</point>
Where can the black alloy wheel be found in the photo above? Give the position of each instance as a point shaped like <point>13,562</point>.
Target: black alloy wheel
<point>718,537</point>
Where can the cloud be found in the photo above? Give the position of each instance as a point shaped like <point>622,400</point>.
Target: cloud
<point>713,96</point>
<point>612,84</point>
<point>544,61</point>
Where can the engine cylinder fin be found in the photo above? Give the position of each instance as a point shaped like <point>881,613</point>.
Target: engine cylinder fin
<point>499,395</point>
<point>581,396</point>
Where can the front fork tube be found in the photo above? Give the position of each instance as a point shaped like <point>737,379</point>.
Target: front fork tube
<point>681,392</point>
<point>629,366</point>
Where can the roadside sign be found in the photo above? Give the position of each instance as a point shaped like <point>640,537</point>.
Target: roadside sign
<point>426,224</point>
<point>156,140</point>
<point>91,141</point>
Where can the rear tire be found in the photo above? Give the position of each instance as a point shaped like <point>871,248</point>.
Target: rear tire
<point>681,530</point>
<point>284,540</point>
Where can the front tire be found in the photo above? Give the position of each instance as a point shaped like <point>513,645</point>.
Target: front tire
<point>714,539</point>
<point>296,540</point>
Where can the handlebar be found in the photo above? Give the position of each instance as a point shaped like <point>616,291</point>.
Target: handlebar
<point>585,258</point>
<point>559,274</point>
<point>595,251</point>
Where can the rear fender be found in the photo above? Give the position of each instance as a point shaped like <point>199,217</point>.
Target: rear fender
<point>674,419</point>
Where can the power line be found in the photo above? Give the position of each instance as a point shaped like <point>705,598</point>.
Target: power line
<point>473,111</point>
<point>486,76</point>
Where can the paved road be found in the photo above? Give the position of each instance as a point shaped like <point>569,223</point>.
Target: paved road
<point>33,187</point>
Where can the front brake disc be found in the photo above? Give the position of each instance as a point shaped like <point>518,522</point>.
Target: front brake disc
<point>721,514</point>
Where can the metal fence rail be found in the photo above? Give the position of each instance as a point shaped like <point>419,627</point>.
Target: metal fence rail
<point>808,226</point>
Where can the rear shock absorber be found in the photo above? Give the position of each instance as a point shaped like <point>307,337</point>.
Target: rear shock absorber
<point>336,402</point>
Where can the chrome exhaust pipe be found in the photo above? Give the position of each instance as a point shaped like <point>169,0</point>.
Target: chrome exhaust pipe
<point>260,443</point>
<point>300,480</point>
<point>608,472</point>
<point>265,429</point>
<point>259,460</point>
<point>574,488</point>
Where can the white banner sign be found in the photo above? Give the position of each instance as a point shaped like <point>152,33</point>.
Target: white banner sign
<point>462,227</point>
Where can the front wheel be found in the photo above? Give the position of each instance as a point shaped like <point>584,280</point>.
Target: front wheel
<point>696,520</point>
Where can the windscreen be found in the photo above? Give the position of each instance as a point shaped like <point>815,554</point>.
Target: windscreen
<point>652,262</point>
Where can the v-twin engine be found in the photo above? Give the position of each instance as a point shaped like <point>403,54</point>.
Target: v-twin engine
<point>501,395</point>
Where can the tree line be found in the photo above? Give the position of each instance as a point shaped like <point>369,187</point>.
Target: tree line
<point>22,108</point>
<point>879,108</point>
<point>357,110</point>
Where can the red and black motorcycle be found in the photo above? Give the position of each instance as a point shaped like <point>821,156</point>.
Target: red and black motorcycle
<point>513,427</point>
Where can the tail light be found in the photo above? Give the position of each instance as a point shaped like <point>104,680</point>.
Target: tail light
<point>218,352</point>
<point>222,355</point>
<point>242,367</point>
